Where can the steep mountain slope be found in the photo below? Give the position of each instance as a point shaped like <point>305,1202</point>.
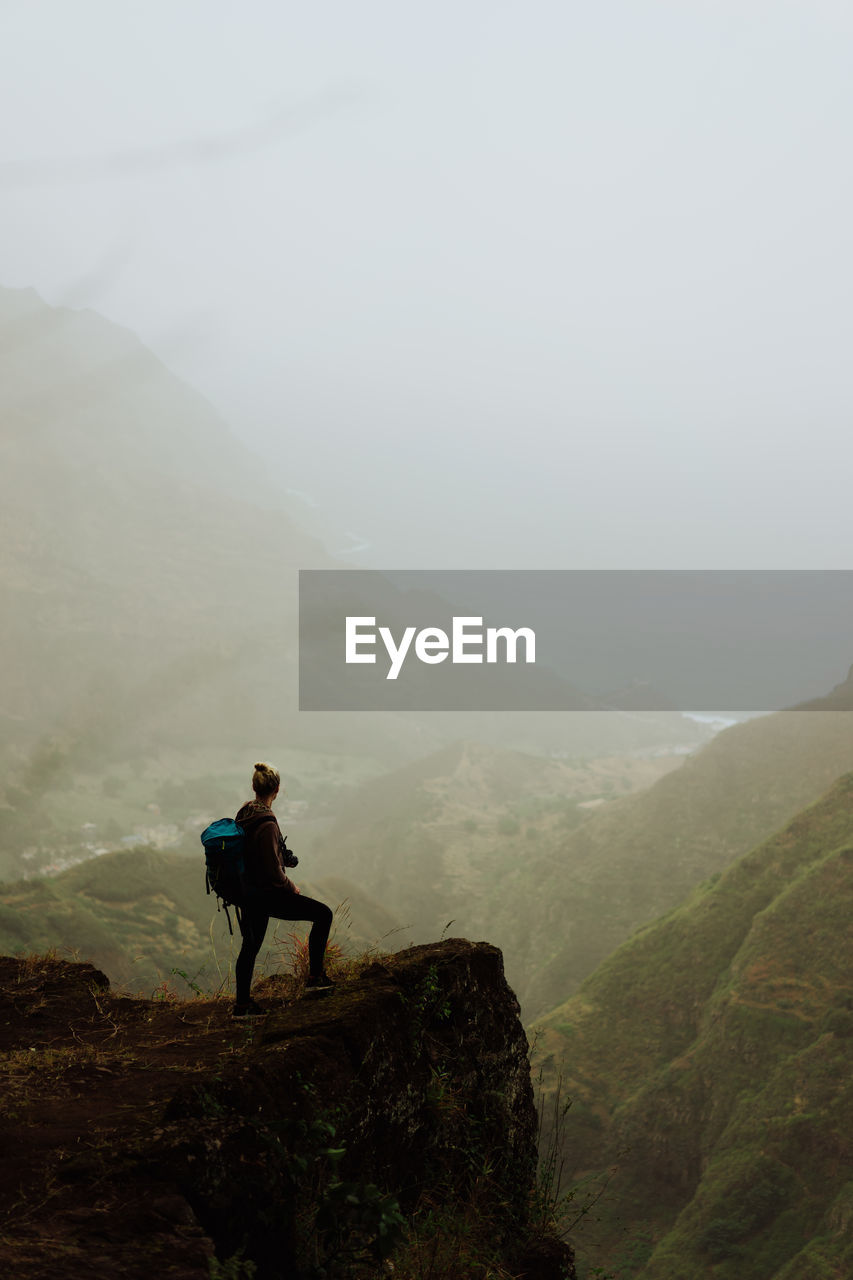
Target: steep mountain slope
<point>710,1059</point>
<point>638,856</point>
<point>141,545</point>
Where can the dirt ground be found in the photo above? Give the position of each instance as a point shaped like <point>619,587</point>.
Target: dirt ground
<point>86,1075</point>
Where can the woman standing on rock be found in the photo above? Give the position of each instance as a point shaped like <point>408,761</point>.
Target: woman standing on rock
<point>271,894</point>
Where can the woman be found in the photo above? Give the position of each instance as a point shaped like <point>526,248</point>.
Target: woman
<point>270,893</point>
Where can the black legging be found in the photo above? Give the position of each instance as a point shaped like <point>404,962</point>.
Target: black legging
<point>278,904</point>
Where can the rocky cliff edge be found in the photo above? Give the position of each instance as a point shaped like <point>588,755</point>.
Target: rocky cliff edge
<point>386,1129</point>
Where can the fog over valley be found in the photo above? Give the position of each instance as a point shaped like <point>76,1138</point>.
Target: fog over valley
<point>491,287</point>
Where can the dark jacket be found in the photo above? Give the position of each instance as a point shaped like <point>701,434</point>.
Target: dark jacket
<point>264,842</point>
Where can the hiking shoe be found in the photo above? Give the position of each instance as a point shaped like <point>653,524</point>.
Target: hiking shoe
<point>321,982</point>
<point>250,1010</point>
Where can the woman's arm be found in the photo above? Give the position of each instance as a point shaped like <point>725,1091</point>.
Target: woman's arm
<point>268,864</point>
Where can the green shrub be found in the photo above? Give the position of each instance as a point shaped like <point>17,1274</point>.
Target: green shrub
<point>839,1022</point>
<point>13,924</point>
<point>754,1199</point>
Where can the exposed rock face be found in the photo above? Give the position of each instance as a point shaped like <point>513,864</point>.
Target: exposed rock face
<point>167,1132</point>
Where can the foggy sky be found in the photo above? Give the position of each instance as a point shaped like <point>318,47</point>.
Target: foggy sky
<point>541,285</point>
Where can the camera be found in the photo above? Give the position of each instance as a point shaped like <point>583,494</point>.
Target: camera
<point>287,856</point>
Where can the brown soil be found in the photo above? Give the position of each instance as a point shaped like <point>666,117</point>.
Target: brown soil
<point>86,1075</point>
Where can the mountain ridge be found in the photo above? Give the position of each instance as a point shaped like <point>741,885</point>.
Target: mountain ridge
<point>711,1055</point>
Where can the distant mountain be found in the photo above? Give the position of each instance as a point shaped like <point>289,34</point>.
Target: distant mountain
<point>710,1061</point>
<point>148,576</point>
<point>639,695</point>
<point>840,698</point>
<point>145,558</point>
<point>438,838</point>
<point>503,844</point>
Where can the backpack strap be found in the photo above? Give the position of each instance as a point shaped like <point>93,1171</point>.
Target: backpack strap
<point>222,905</point>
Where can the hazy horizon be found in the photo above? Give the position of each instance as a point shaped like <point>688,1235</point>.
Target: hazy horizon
<point>495,286</point>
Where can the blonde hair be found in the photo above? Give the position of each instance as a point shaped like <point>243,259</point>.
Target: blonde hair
<point>265,780</point>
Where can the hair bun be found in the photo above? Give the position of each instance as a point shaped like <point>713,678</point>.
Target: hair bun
<point>266,779</point>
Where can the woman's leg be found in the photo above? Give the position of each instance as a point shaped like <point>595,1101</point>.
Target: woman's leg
<point>253,926</point>
<point>281,904</point>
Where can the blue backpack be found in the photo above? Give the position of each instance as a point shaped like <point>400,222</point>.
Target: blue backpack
<point>224,844</point>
